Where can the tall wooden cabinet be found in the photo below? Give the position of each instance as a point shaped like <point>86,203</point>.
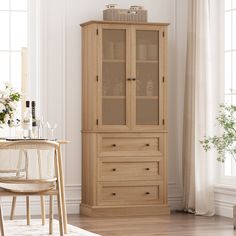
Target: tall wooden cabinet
<point>124,130</point>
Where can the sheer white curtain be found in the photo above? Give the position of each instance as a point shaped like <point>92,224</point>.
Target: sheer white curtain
<point>203,88</point>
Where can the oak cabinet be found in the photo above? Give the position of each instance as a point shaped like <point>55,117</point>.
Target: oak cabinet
<point>124,124</point>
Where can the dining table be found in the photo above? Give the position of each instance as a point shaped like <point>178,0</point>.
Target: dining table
<point>60,166</point>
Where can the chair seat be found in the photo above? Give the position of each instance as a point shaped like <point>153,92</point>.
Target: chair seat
<point>27,188</point>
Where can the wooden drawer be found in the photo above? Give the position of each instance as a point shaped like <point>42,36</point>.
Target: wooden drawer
<point>129,194</point>
<point>112,169</point>
<point>131,144</point>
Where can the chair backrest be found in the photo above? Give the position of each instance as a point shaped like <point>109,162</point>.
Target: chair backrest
<point>27,159</point>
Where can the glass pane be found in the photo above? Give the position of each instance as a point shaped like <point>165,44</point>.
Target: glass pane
<point>4,4</point>
<point>233,4</point>
<point>228,165</point>
<point>227,4</point>
<point>233,99</point>
<point>4,66</point>
<point>16,70</point>
<point>18,30</point>
<point>228,79</point>
<point>114,77</point>
<point>4,26</point>
<point>227,30</point>
<point>228,99</point>
<point>19,5</point>
<point>234,71</point>
<point>234,29</point>
<point>147,73</point>
<point>233,167</point>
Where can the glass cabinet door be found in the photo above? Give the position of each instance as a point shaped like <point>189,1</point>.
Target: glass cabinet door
<point>147,70</point>
<point>114,104</point>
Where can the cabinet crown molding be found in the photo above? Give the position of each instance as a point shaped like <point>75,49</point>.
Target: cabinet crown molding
<point>125,23</point>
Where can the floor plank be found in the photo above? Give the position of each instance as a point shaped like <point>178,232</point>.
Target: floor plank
<point>175,224</point>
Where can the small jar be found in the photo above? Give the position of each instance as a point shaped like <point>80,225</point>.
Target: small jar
<point>111,6</point>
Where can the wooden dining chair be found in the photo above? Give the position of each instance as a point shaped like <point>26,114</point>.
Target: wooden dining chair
<point>42,201</point>
<point>27,182</point>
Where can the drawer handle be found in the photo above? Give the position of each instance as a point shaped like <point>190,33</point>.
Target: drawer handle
<point>147,193</point>
<point>114,169</point>
<point>113,194</point>
<point>147,144</point>
<point>114,145</point>
<point>147,168</point>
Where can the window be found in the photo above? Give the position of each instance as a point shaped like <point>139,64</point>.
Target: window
<point>13,40</point>
<point>230,70</point>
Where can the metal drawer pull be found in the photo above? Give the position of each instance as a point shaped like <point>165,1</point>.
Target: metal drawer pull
<point>147,168</point>
<point>147,144</point>
<point>114,145</point>
<point>113,169</point>
<point>114,194</point>
<point>147,193</point>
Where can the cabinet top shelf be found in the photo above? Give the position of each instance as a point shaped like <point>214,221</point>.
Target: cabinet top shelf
<point>124,22</point>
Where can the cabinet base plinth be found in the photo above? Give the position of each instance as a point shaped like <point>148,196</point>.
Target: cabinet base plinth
<point>137,210</point>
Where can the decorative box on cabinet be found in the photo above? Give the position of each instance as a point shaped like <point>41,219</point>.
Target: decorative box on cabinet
<point>124,124</point>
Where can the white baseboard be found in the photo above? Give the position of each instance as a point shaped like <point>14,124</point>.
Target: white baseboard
<point>225,199</point>
<point>175,202</point>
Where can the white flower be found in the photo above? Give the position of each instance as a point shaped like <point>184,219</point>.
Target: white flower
<point>12,105</point>
<point>6,118</point>
<point>2,107</point>
<point>3,93</point>
<point>8,103</point>
<point>8,85</point>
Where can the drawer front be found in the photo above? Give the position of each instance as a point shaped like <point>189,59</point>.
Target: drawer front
<point>128,195</point>
<point>128,145</point>
<point>112,169</point>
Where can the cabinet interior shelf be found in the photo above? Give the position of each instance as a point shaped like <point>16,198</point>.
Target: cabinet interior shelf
<point>113,97</point>
<point>114,60</point>
<point>138,97</point>
<point>123,61</point>
<point>147,61</point>
<point>147,97</point>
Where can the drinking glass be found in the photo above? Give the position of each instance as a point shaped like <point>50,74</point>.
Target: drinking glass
<point>52,127</point>
<point>41,125</point>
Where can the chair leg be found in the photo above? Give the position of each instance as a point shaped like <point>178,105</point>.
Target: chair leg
<point>42,209</point>
<point>13,207</point>
<point>62,190</point>
<point>59,199</point>
<point>60,214</point>
<point>41,197</point>
<point>28,210</point>
<point>1,222</point>
<point>51,215</point>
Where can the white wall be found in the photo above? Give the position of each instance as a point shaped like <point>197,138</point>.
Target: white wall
<point>60,79</point>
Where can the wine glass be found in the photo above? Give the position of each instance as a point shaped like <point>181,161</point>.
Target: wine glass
<point>52,127</point>
<point>41,124</point>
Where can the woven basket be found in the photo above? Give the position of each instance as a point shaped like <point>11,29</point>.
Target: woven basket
<point>125,15</point>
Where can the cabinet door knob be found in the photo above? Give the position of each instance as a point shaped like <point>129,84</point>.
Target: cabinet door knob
<point>113,194</point>
<point>147,169</point>
<point>114,169</point>
<point>129,79</point>
<point>147,193</point>
<point>113,145</point>
<point>133,79</point>
<point>147,144</point>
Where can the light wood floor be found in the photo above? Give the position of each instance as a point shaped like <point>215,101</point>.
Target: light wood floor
<point>175,224</point>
